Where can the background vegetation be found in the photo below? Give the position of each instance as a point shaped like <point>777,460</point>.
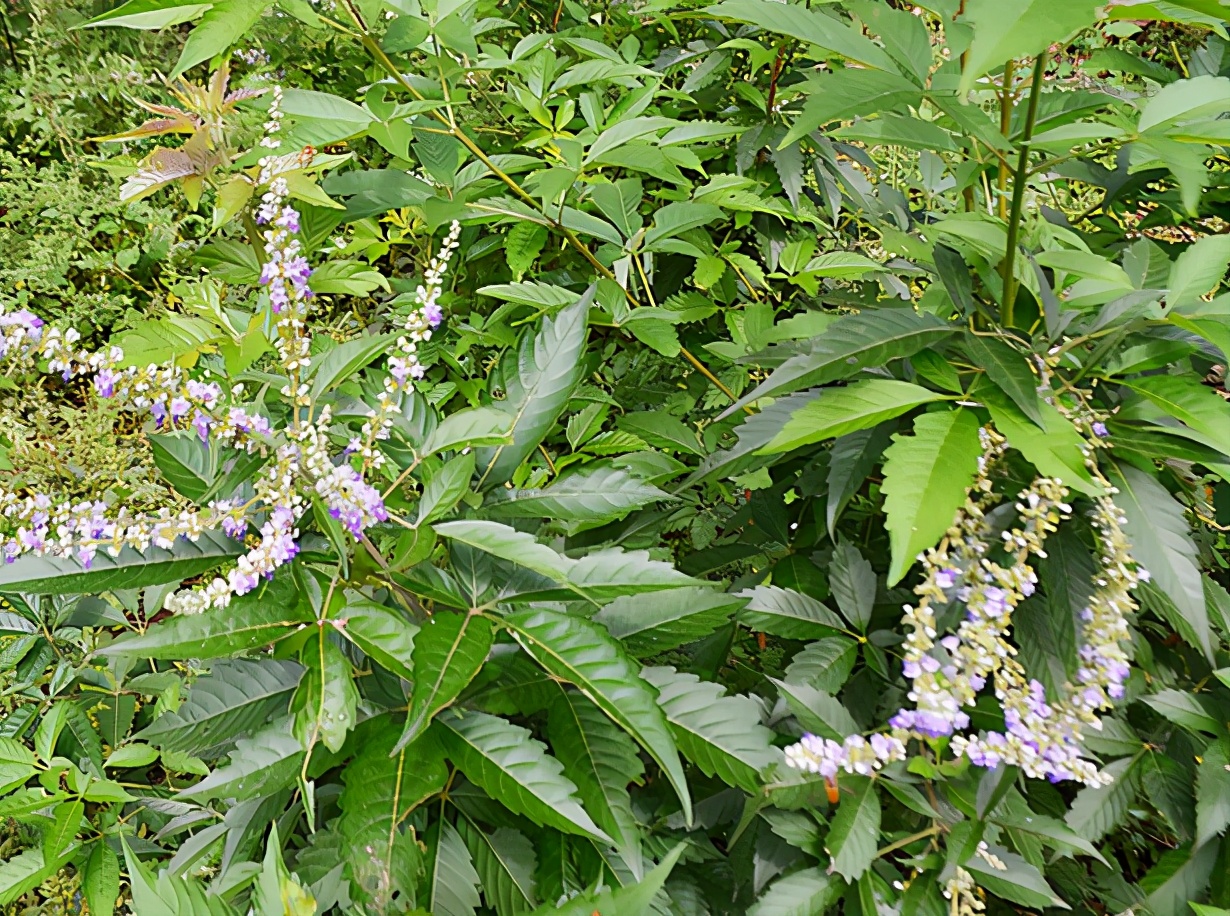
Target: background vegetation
<point>737,287</point>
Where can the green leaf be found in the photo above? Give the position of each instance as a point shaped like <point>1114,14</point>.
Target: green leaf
<point>1095,812</point>
<point>102,880</point>
<point>1057,450</point>
<point>602,760</point>
<point>548,368</point>
<point>187,463</point>
<point>1198,406</point>
<point>511,766</point>
<point>824,664</point>
<point>926,477</point>
<point>505,862</point>
<point>33,575</point>
<point>223,24</point>
<point>851,459</point>
<point>522,245</point>
<point>620,901</point>
<point>1024,29</point>
<point>448,651</point>
<point>581,652</point>
<point>806,892</point>
<point>25,871</point>
<point>319,119</point>
<point>807,25</point>
<point>1179,875</point>
<point>1018,881</point>
<point>452,882</point>
<point>62,832</point>
<point>150,14</point>
<point>1010,372</point>
<point>16,764</point>
<point>268,761</point>
<point>344,360</point>
<point>469,428</point>
<point>853,582</point>
<point>1161,543</point>
<point>720,734</point>
<point>817,711</point>
<point>1213,791</point>
<point>234,699</point>
<point>839,411</point>
<point>445,488</point>
<point>661,621</point>
<point>789,614</point>
<point>855,830</point>
<point>383,634</point>
<point>1185,100</point>
<point>1198,270</point>
<point>619,202</point>
<point>325,705</point>
<point>593,494</point>
<point>380,788</point>
<point>848,346</point>
<point>1184,709</point>
<point>273,611</point>
<point>848,93</point>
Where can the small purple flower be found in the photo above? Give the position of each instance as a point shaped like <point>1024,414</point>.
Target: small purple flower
<point>433,314</point>
<point>179,409</point>
<point>104,383</point>
<point>201,424</point>
<point>947,578</point>
<point>1100,430</point>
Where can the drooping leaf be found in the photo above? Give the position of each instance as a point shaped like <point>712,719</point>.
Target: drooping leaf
<point>811,26</point>
<point>452,881</point>
<point>1213,791</point>
<point>853,582</point>
<point>1056,449</point>
<point>224,23</point>
<point>1097,811</point>
<point>1022,30</point>
<point>325,705</point>
<point>855,830</point>
<point>721,734</point>
<point>581,652</point>
<point>1009,370</point>
<point>263,763</point>
<point>800,893</point>
<point>509,765</point>
<point>383,634</point>
<point>1179,876</point>
<point>839,411</point>
<point>789,614</point>
<point>504,860</point>
<point>925,479</point>
<point>1197,406</point>
<point>1018,880</point>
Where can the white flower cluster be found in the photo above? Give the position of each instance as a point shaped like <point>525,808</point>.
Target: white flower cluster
<point>948,673</point>
<point>302,468</point>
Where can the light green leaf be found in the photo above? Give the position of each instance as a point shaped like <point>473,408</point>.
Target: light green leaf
<point>1198,270</point>
<point>1185,100</point>
<point>511,766</point>
<point>325,705</point>
<point>855,830</point>
<point>267,761</point>
<point>1056,450</point>
<point>926,477</point>
<point>344,360</point>
<point>1021,29</point>
<point>1184,709</point>
<point>849,93</point>
<point>1018,881</point>
<point>25,871</point>
<point>620,901</point>
<point>448,651</point>
<point>102,880</point>
<point>839,411</point>
<point>469,428</point>
<point>720,734</point>
<point>223,24</point>
<point>1201,408</point>
<point>824,664</point>
<point>548,367</point>
<point>383,634</point>
<point>581,652</point>
<point>826,33</point>
<point>150,14</point>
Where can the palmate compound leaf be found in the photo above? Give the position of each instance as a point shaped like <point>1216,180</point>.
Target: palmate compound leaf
<point>602,760</point>
<point>925,480</point>
<point>512,767</point>
<point>1162,544</point>
<point>839,411</point>
<point>380,788</point>
<point>273,611</point>
<point>448,651</point>
<point>231,701</point>
<point>719,733</point>
<point>548,367</point>
<point>849,345</point>
<point>505,862</point>
<point>583,653</point>
<point>33,575</point>
<point>661,621</point>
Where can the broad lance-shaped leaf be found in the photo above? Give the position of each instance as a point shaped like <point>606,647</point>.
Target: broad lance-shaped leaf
<point>448,651</point>
<point>1179,875</point>
<point>1008,369</point>
<point>787,613</point>
<point>385,635</point>
<point>325,705</point>
<point>839,411</point>
<point>1201,409</point>
<point>598,576</point>
<point>1022,28</point>
<point>591,494</point>
<point>925,480</point>
<point>752,435</point>
<point>273,611</point>
<point>1017,880</point>
<point>824,664</point>
<point>505,862</point>
<point>229,702</point>
<point>721,734</point>
<point>452,882</point>
<point>851,459</point>
<point>855,831</point>
<point>581,652</point>
<point>549,365</point>
<point>1161,543</point>
<point>661,621</point>
<point>1213,791</point>
<point>636,897</point>
<point>849,345</point>
<point>853,582</point>
<point>33,575</point>
<point>1095,812</point>
<point>801,893</point>
<point>511,766</point>
<point>602,760</point>
<point>268,761</point>
<point>224,23</point>
<point>806,25</point>
<point>379,789</point>
<point>1056,449</point>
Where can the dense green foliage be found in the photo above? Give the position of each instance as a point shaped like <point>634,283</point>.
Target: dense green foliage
<point>737,288</point>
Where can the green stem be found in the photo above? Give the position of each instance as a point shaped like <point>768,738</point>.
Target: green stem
<point>1020,180</point>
